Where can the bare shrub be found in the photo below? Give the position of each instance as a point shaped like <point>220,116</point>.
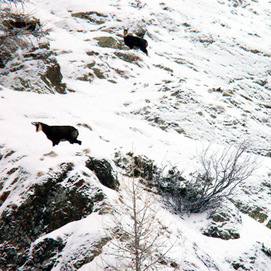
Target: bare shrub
<point>220,174</point>
<point>17,29</point>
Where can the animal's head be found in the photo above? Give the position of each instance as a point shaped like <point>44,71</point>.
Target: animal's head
<point>125,32</point>
<point>38,126</point>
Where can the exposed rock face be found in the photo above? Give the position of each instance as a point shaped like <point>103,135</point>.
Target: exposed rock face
<point>61,198</point>
<point>104,172</point>
<point>78,256</point>
<point>224,222</point>
<point>20,22</point>
<point>53,78</point>
<point>44,254</point>
<point>136,165</point>
<point>109,42</point>
<point>256,212</point>
<point>91,16</point>
<point>27,64</point>
<point>34,70</point>
<point>128,57</point>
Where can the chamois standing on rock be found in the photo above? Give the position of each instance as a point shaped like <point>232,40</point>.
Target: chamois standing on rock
<point>58,133</point>
<point>134,42</point>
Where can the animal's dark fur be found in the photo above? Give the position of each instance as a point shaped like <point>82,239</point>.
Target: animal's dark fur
<point>58,133</point>
<point>134,42</point>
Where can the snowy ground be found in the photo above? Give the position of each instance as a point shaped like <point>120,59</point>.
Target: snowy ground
<point>206,80</point>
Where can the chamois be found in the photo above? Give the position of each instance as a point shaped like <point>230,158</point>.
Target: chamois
<point>58,133</point>
<point>134,42</point>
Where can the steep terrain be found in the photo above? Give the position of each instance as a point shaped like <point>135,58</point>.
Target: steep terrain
<point>206,81</point>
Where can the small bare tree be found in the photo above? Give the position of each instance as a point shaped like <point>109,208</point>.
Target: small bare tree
<point>139,239</point>
<point>220,174</point>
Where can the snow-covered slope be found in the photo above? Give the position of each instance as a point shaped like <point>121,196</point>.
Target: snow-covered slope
<point>206,80</point>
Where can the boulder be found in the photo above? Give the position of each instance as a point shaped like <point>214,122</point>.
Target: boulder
<point>224,222</point>
<point>104,172</point>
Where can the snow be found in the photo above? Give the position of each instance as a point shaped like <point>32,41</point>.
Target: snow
<point>206,45</point>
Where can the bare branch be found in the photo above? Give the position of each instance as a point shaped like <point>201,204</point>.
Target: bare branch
<point>17,29</point>
<point>221,173</point>
<point>140,240</point>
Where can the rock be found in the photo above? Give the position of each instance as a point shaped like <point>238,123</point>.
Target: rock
<point>34,70</point>
<point>3,196</point>
<point>250,258</point>
<point>266,250</point>
<point>92,16</point>
<point>4,58</point>
<point>128,57</point>
<point>109,42</point>
<point>53,78</point>
<point>86,77</point>
<point>84,254</point>
<point>20,22</point>
<point>98,73</point>
<point>56,200</point>
<point>268,225</point>
<point>225,234</point>
<point>256,212</point>
<point>136,165</point>
<point>224,222</point>
<point>44,254</point>
<point>104,172</point>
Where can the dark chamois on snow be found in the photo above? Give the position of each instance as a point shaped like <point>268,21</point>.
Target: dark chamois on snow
<point>134,42</point>
<point>58,133</point>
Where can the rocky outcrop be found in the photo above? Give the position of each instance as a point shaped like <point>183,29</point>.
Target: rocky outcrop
<point>44,254</point>
<point>92,16</point>
<point>53,77</point>
<point>136,165</point>
<point>224,222</point>
<point>109,42</point>
<point>256,212</point>
<point>104,172</point>
<point>59,198</point>
<point>35,70</point>
<point>26,63</point>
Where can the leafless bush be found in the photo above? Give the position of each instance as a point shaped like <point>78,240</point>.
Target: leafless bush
<point>221,173</point>
<point>16,28</point>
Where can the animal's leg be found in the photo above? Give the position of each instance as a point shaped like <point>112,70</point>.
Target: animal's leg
<point>143,49</point>
<point>78,141</point>
<point>56,142</point>
<point>75,141</point>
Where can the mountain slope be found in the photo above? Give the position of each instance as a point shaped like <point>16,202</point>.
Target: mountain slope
<point>206,81</point>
